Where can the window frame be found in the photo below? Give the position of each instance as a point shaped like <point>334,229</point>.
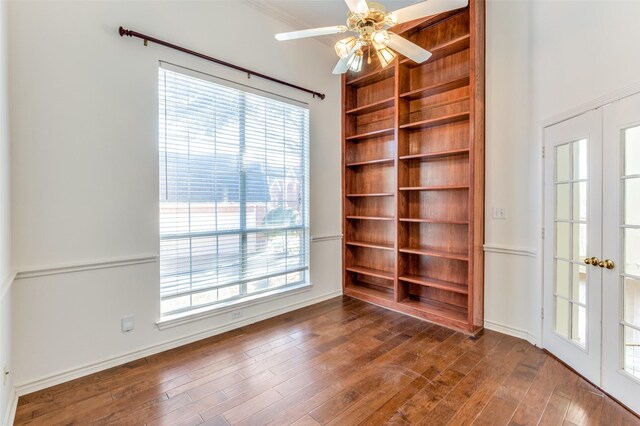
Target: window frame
<point>182,315</point>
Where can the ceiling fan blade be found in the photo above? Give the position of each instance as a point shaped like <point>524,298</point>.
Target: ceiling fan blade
<point>408,49</point>
<point>341,66</point>
<point>426,8</point>
<point>311,32</point>
<point>358,6</point>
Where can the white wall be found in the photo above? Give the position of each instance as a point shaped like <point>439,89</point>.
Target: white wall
<point>510,243</point>
<point>580,51</point>
<point>543,58</point>
<point>6,273</point>
<point>85,177</point>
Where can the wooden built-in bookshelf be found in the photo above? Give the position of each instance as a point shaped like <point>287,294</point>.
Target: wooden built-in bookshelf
<point>413,175</point>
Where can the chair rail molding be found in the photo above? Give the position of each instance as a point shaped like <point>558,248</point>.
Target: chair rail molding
<point>41,271</point>
<point>322,238</point>
<point>515,251</point>
<point>6,283</point>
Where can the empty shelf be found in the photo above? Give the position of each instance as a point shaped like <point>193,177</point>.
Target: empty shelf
<point>427,251</point>
<point>382,246</point>
<point>374,106</point>
<point>378,273</point>
<point>430,282</point>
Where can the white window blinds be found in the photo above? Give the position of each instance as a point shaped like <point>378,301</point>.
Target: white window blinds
<point>234,179</point>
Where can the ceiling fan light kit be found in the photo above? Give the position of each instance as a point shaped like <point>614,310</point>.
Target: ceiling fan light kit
<point>370,22</point>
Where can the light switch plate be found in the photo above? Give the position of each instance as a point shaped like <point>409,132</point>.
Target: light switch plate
<point>499,213</point>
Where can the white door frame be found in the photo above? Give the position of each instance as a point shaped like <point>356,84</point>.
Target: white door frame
<point>601,101</point>
<point>596,103</point>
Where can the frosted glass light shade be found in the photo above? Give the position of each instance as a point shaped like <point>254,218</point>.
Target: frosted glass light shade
<point>355,63</point>
<point>345,46</point>
<point>380,39</point>
<point>385,56</point>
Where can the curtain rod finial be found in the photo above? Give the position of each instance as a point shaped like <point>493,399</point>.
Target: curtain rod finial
<point>124,32</point>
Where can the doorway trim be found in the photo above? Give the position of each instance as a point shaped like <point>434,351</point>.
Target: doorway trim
<point>594,104</point>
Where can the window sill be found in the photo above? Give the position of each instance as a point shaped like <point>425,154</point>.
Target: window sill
<point>211,311</point>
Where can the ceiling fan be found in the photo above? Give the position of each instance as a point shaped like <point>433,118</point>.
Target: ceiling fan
<point>370,22</point>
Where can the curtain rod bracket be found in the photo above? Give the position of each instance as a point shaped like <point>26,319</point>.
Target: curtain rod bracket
<point>130,33</point>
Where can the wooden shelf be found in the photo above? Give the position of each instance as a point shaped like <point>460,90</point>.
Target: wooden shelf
<point>381,246</point>
<point>372,77</point>
<point>366,292</point>
<point>378,273</point>
<point>433,122</point>
<point>433,188</point>
<point>379,194</point>
<point>449,48</point>
<point>435,89</point>
<point>439,309</point>
<point>370,162</point>
<point>443,221</point>
<point>430,282</point>
<point>439,154</point>
<point>370,218</point>
<point>373,134</point>
<point>372,107</point>
<point>417,181</point>
<point>426,251</point>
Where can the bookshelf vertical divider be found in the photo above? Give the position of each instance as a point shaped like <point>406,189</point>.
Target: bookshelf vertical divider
<point>413,175</point>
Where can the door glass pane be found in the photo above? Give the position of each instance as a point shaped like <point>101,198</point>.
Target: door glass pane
<point>632,301</point>
<point>578,323</point>
<point>563,235</point>
<point>562,278</point>
<point>579,241</point>
<point>563,200</point>
<point>580,159</point>
<point>632,151</point>
<point>571,240</point>
<point>579,283</point>
<point>580,201</point>
<point>632,351</point>
<point>632,201</point>
<point>562,317</point>
<point>562,162</point>
<point>632,251</point>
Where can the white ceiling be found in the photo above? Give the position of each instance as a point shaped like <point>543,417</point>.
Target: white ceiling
<point>318,13</point>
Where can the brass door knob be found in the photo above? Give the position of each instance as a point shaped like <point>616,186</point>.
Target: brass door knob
<point>608,263</point>
<point>592,261</point>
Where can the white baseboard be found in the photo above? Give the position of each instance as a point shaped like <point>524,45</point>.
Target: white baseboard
<point>65,376</point>
<point>12,405</point>
<point>511,331</point>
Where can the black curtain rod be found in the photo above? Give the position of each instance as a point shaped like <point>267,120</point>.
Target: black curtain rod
<point>123,32</point>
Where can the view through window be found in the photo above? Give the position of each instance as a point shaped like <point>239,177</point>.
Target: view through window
<point>234,178</point>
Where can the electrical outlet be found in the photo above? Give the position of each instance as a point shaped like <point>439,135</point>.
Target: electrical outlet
<point>236,315</point>
<point>127,323</point>
<point>5,375</point>
<point>499,213</point>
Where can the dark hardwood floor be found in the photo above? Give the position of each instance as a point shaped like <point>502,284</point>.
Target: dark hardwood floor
<point>341,362</point>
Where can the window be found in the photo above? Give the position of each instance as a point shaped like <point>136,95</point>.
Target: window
<point>234,202</point>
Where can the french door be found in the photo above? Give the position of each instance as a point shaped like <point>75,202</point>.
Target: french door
<point>592,246</point>
<point>573,228</point>
<point>621,244</point>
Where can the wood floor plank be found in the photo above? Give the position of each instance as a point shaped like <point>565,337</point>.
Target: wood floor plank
<point>530,410</point>
<point>340,362</point>
<point>586,405</point>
